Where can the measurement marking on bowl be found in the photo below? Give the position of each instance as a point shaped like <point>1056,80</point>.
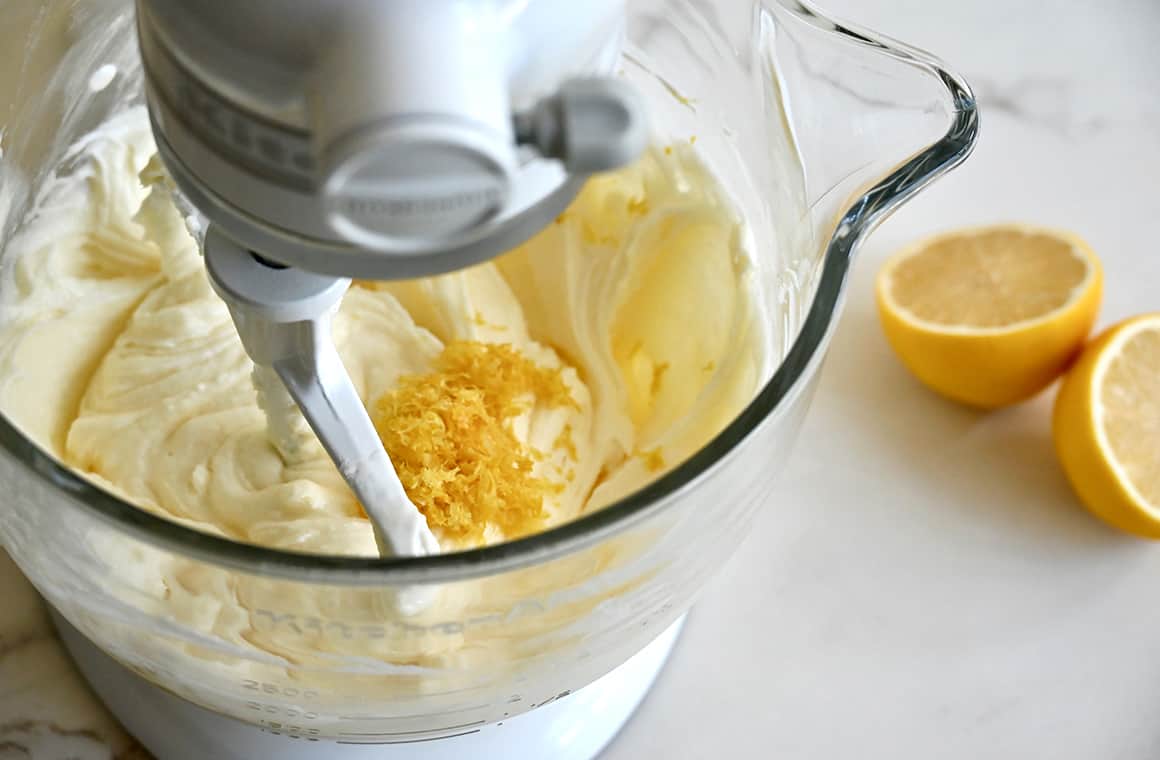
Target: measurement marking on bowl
<point>416,741</point>
<point>272,688</point>
<point>414,715</point>
<point>409,733</point>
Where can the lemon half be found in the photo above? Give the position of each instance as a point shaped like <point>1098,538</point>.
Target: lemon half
<point>1107,426</point>
<point>990,316</point>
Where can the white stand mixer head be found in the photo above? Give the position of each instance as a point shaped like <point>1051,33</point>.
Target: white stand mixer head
<point>386,139</point>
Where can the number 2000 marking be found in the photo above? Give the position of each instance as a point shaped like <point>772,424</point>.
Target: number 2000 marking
<point>289,712</point>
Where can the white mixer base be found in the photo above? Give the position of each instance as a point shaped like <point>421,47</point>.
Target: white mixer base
<point>576,727</point>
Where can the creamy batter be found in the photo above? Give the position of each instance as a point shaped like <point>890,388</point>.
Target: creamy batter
<point>117,357</point>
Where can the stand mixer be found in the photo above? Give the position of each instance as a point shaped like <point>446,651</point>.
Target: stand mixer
<point>380,139</point>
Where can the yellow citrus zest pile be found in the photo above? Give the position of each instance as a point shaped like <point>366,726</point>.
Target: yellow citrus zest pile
<point>449,435</point>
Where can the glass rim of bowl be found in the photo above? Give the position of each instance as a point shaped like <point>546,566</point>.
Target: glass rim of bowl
<point>863,214</point>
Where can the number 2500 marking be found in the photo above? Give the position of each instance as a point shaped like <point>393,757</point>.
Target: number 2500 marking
<point>273,688</point>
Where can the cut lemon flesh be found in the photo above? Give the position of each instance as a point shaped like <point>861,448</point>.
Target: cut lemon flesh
<point>1107,426</point>
<point>990,316</point>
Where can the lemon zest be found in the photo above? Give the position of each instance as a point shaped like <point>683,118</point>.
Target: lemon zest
<point>449,435</point>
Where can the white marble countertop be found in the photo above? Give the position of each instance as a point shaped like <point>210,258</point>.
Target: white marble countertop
<point>926,585</point>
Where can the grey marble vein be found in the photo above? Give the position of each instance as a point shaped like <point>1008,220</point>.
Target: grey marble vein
<point>12,644</point>
<point>33,738</point>
<point>1054,104</point>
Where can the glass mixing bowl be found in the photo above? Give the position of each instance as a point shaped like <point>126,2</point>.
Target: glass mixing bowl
<point>817,130</point>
